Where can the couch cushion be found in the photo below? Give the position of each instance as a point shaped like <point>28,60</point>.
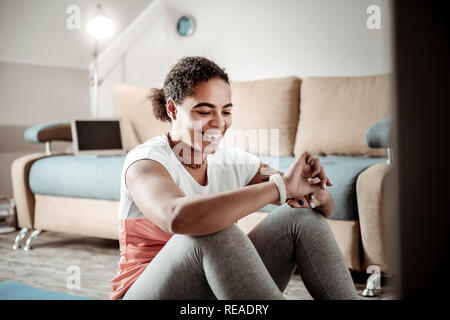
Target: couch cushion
<point>335,114</point>
<point>136,111</point>
<point>266,104</point>
<point>76,176</point>
<point>343,173</point>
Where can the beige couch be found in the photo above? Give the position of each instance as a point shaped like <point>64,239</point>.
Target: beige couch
<point>327,116</point>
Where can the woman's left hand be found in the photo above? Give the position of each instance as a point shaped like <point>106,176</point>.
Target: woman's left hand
<point>314,201</point>
<point>315,171</point>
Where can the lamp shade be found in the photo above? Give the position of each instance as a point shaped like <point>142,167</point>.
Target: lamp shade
<point>101,27</point>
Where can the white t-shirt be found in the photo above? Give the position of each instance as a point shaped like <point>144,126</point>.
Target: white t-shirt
<point>227,169</point>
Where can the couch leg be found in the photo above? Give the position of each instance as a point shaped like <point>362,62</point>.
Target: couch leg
<point>30,239</point>
<point>20,237</point>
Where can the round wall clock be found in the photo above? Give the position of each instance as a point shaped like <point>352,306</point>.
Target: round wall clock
<point>185,26</point>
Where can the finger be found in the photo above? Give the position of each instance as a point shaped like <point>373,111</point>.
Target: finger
<point>327,183</point>
<point>302,201</point>
<point>315,188</point>
<point>314,203</point>
<point>323,177</point>
<point>302,158</point>
<point>309,158</point>
<point>324,183</point>
<point>307,197</point>
<point>316,167</point>
<point>293,203</point>
<point>308,155</point>
<point>299,202</point>
<point>314,180</point>
<point>298,163</point>
<point>311,161</point>
<point>320,173</point>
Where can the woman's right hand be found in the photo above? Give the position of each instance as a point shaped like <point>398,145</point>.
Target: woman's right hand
<point>300,178</point>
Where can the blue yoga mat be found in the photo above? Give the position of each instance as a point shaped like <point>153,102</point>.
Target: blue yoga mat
<point>12,290</point>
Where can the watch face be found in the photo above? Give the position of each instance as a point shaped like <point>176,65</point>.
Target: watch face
<point>185,26</point>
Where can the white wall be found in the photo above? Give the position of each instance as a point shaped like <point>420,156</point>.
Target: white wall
<point>256,39</point>
<point>36,32</point>
<point>31,95</point>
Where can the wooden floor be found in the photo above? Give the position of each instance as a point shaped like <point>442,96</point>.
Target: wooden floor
<point>56,256</point>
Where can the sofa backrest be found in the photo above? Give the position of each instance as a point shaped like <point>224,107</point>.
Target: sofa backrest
<point>336,112</point>
<point>324,115</point>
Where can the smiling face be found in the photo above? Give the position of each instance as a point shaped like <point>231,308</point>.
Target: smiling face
<point>203,118</point>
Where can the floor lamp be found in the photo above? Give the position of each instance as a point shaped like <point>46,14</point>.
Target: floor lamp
<point>100,27</point>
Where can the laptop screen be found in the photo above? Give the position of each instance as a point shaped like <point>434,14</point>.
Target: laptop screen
<point>98,135</point>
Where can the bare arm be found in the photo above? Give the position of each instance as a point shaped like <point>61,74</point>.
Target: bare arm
<point>160,199</point>
<point>198,214</point>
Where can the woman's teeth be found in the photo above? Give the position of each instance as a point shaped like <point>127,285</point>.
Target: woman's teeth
<point>212,137</point>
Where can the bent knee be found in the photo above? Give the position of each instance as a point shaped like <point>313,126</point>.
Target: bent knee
<point>230,233</point>
<point>301,216</point>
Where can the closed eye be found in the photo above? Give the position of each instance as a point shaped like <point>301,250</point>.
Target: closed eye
<point>202,112</point>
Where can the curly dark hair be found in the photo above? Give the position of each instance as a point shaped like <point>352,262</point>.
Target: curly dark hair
<point>181,82</point>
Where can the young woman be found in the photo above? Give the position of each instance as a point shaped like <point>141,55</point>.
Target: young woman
<point>181,196</point>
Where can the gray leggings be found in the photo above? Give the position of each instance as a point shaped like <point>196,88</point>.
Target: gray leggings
<point>231,265</point>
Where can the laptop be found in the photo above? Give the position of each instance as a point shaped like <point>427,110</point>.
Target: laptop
<point>99,137</point>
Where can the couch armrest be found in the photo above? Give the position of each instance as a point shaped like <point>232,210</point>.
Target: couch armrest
<point>23,197</point>
<point>48,132</point>
<point>371,191</point>
<point>379,135</point>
